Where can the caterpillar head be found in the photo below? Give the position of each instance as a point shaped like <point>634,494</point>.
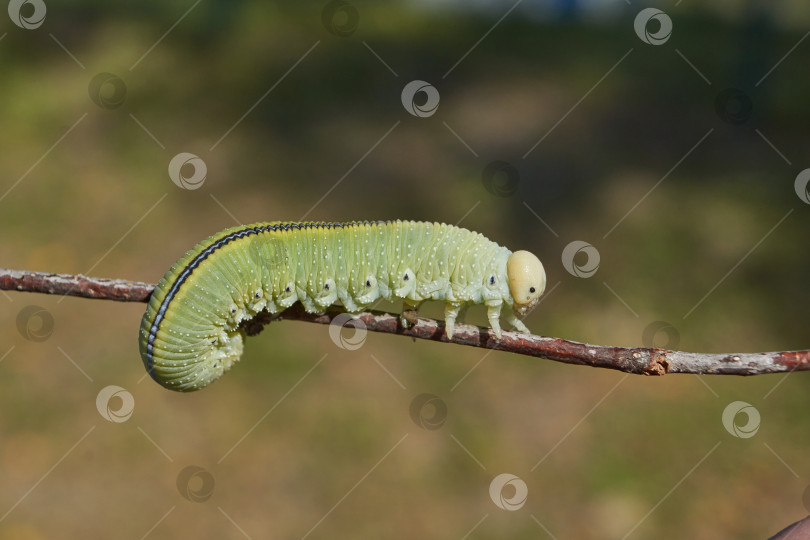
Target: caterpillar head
<point>527,280</point>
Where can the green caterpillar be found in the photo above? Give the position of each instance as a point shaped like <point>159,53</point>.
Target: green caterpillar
<point>191,332</point>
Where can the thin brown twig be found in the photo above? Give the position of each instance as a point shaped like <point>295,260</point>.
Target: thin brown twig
<point>120,290</point>
<point>642,361</point>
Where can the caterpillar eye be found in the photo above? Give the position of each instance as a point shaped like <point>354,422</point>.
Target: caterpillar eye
<point>287,289</point>
<point>406,277</point>
<point>326,286</point>
<point>531,290</point>
<point>492,280</point>
<point>368,283</point>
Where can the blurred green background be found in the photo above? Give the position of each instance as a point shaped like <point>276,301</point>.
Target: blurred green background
<point>305,438</point>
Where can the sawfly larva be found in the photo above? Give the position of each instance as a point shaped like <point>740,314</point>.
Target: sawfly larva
<point>193,328</point>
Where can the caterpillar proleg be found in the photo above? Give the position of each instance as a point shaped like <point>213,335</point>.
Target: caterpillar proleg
<point>192,330</point>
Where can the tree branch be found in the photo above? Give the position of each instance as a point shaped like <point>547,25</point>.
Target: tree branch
<point>642,361</point>
<point>120,290</point>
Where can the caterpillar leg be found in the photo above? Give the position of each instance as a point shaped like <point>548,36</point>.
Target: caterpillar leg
<point>450,315</point>
<point>350,305</point>
<point>408,306</point>
<point>306,301</point>
<point>512,319</point>
<point>494,316</point>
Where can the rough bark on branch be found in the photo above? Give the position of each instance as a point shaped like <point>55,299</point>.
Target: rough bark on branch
<point>642,361</point>
<point>70,285</point>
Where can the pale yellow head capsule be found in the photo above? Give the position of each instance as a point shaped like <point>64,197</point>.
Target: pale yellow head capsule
<point>527,280</point>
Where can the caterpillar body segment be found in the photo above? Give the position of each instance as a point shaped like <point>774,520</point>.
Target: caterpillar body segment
<point>192,331</point>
